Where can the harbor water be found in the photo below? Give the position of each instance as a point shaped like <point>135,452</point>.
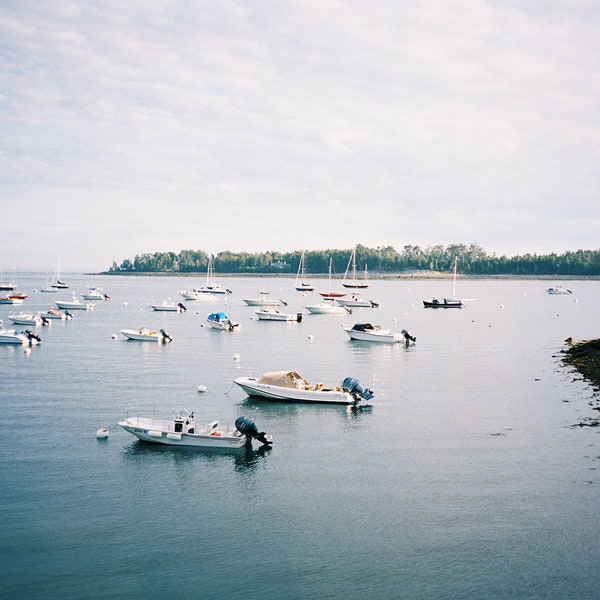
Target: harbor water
<point>467,476</point>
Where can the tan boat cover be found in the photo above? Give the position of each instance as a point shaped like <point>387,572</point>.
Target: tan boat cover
<point>287,379</point>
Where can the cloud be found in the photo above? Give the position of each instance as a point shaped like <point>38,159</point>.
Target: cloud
<point>408,122</point>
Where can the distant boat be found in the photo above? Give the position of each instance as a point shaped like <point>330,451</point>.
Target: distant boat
<point>74,305</point>
<point>328,304</point>
<point>143,334</point>
<point>366,332</point>
<point>211,287</point>
<point>301,285</point>
<point>165,307</point>
<point>12,336</point>
<point>272,314</point>
<point>56,282</point>
<point>558,289</point>
<point>357,302</point>
<point>94,294</point>
<point>6,286</point>
<point>219,320</point>
<point>453,302</point>
<point>354,282</point>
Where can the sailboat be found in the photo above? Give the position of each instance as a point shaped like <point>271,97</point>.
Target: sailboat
<point>211,287</point>
<point>301,285</point>
<point>328,305</point>
<point>56,282</point>
<point>6,285</point>
<point>453,302</point>
<point>354,282</point>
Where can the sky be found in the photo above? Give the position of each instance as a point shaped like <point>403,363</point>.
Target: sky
<point>261,125</point>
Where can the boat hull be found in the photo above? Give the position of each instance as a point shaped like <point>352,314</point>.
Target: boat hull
<point>159,432</point>
<point>281,394</point>
<point>130,334</point>
<point>444,303</point>
<point>357,303</point>
<point>263,302</point>
<point>385,337</point>
<point>326,309</point>
<point>275,315</point>
<point>74,305</point>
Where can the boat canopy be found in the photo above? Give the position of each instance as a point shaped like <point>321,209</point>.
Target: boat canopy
<point>218,316</point>
<point>287,379</point>
<point>364,327</point>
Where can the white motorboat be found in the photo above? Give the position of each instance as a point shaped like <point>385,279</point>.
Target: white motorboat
<point>183,430</point>
<point>199,295</point>
<point>558,290</point>
<point>327,307</point>
<point>289,386</point>
<point>264,300</point>
<point>144,334</point>
<point>25,318</point>
<point>376,333</point>
<point>356,302</point>
<point>300,284</point>
<point>166,307</point>
<point>23,338</point>
<point>94,294</point>
<point>219,320</point>
<point>272,314</point>
<point>74,305</point>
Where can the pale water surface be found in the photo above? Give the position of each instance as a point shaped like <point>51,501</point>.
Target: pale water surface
<point>464,479</point>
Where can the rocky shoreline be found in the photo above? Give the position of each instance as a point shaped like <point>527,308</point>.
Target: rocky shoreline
<point>584,357</point>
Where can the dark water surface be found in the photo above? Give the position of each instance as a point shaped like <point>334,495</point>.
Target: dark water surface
<point>464,479</point>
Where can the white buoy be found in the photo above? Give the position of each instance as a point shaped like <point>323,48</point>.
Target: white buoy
<point>115,336</point>
<point>102,433</point>
<point>201,388</point>
<point>311,337</point>
<point>502,306</point>
<point>236,357</point>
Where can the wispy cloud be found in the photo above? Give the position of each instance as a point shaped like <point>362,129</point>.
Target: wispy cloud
<point>301,124</point>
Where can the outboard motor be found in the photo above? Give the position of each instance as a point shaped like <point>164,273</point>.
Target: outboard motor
<point>247,427</point>
<point>354,388</point>
<point>165,336</point>
<point>299,317</point>
<point>181,307</point>
<point>408,337</point>
<point>32,337</point>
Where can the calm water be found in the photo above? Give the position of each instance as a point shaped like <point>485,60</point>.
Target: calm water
<point>464,479</point>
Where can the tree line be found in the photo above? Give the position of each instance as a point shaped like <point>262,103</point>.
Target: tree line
<point>471,260</point>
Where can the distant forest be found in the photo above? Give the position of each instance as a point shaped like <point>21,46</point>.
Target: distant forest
<point>472,260</point>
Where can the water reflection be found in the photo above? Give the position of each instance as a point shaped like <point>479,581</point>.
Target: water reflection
<point>245,459</point>
<point>291,409</point>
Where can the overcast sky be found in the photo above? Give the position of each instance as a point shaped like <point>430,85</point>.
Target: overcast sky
<point>254,125</point>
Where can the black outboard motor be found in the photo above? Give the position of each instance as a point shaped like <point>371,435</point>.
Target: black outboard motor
<point>165,336</point>
<point>299,317</point>
<point>181,307</point>
<point>408,337</point>
<point>247,427</point>
<point>31,336</point>
<point>354,388</point>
